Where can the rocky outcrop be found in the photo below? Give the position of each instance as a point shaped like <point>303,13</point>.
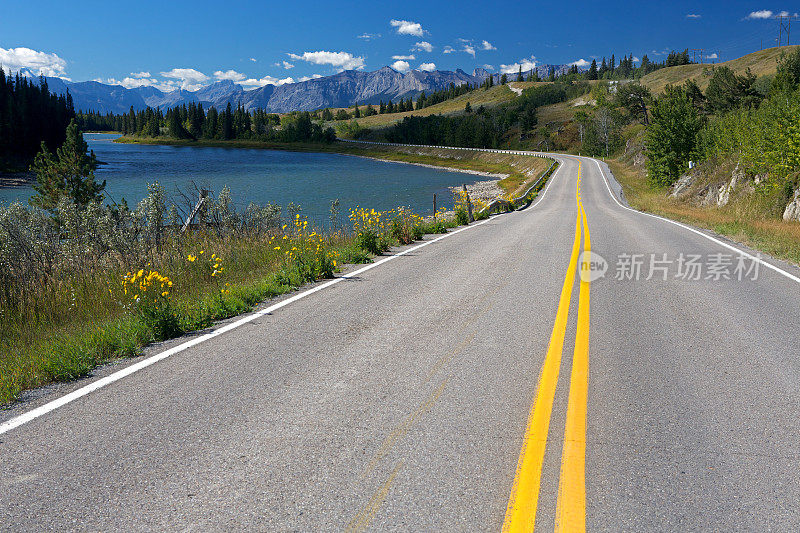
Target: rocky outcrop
<point>792,211</point>
<point>720,195</point>
<point>682,185</point>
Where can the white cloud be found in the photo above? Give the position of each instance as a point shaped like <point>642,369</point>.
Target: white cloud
<point>581,63</point>
<point>368,36</point>
<point>760,15</point>
<point>229,75</point>
<point>253,59</point>
<point>406,27</point>
<point>469,49</point>
<point>312,77</point>
<point>448,50</point>
<point>526,64</point>
<point>486,45</point>
<point>712,56</point>
<point>143,74</point>
<point>343,60</point>
<point>487,66</point>
<point>266,80</point>
<point>284,64</point>
<point>40,63</point>
<point>424,46</point>
<point>409,57</point>
<point>190,79</point>
<point>401,66</point>
<point>134,82</point>
<point>636,59</point>
<point>427,67</point>
<point>693,16</point>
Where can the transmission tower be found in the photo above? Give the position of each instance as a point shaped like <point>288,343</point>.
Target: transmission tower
<point>784,25</point>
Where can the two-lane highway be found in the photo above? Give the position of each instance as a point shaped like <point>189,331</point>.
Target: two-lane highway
<point>466,385</point>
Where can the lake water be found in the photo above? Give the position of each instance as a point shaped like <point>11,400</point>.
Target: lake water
<point>308,179</point>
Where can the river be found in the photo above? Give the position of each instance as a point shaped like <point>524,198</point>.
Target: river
<point>310,180</point>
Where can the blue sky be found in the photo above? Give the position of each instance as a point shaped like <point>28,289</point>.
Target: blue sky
<point>189,44</point>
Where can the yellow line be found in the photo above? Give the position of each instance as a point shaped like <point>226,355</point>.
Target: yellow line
<point>521,510</point>
<point>571,506</point>
<point>363,518</point>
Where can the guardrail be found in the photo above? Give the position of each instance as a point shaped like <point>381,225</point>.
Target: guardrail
<point>525,198</point>
<point>499,201</point>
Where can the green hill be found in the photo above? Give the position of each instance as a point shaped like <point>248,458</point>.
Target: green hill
<point>497,95</point>
<point>760,63</point>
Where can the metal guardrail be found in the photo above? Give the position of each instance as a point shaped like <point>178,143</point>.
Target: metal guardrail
<point>499,201</point>
<point>524,198</point>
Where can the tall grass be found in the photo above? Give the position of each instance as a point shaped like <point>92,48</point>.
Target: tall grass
<point>68,303</point>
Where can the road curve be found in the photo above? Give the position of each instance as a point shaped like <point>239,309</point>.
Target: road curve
<point>434,392</point>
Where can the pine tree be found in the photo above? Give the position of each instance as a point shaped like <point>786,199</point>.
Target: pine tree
<point>70,173</point>
<point>519,74</point>
<point>226,123</point>
<point>592,74</point>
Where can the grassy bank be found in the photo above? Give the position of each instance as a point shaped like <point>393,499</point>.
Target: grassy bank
<point>742,221</point>
<point>92,308</point>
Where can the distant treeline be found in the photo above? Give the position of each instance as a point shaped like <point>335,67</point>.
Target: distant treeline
<point>193,122</point>
<point>29,115</point>
<point>484,128</point>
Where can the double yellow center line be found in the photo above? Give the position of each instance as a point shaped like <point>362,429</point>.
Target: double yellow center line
<point>571,504</point>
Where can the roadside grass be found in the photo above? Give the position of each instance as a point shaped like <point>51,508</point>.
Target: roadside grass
<point>760,63</point>
<point>744,222</point>
<point>60,330</point>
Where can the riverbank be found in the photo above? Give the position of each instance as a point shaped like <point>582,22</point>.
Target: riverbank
<point>16,179</point>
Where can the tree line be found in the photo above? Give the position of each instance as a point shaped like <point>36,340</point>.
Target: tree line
<point>404,104</point>
<point>29,116</point>
<point>193,122</point>
<point>483,128</point>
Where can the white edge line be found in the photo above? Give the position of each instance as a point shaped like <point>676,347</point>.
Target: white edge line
<point>33,414</point>
<point>698,232</point>
<point>127,371</point>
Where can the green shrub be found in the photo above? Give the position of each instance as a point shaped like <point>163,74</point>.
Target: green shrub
<point>462,218</point>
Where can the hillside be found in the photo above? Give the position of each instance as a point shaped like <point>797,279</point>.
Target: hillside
<point>497,95</point>
<point>760,63</point>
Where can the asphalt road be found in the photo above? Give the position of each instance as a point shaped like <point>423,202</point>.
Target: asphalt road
<point>415,396</point>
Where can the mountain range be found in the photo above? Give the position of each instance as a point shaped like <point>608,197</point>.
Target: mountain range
<point>339,90</point>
